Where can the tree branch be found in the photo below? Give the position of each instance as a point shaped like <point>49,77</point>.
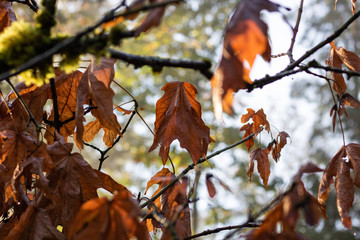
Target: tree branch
<point>289,70</point>
<point>157,62</point>
<point>216,230</point>
<point>31,3</point>
<point>295,31</point>
<point>71,40</point>
<point>191,166</point>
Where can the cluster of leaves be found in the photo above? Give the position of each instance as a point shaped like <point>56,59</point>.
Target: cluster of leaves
<point>49,192</point>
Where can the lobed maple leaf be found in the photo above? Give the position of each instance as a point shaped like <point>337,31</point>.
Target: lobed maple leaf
<point>287,211</point>
<point>348,157</point>
<point>105,219</point>
<point>95,85</point>
<point>245,38</point>
<point>178,116</point>
<point>172,205</point>
<point>259,121</point>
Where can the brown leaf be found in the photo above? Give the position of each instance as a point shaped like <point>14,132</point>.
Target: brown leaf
<point>95,85</point>
<point>152,19</point>
<point>110,184</point>
<point>334,61</point>
<point>25,220</point>
<point>7,15</point>
<point>349,59</point>
<point>66,90</point>
<point>263,165</point>
<point>344,192</point>
<point>348,100</point>
<point>70,181</point>
<point>245,38</point>
<point>210,186</point>
<point>178,116</point>
<point>173,204</point>
<point>248,128</point>
<point>109,219</point>
<point>353,6</point>
<point>339,166</point>
<point>281,141</point>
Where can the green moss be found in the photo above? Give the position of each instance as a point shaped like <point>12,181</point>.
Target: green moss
<point>45,18</point>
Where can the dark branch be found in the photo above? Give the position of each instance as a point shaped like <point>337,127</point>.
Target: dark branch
<point>31,3</point>
<point>216,230</point>
<point>295,31</point>
<point>157,62</point>
<point>57,123</point>
<point>289,70</point>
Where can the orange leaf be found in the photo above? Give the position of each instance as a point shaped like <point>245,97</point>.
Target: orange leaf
<point>7,15</point>
<point>248,128</point>
<point>66,90</point>
<point>245,38</point>
<point>280,143</point>
<point>263,165</point>
<point>95,85</point>
<point>178,116</point>
<point>171,203</point>
<point>334,61</point>
<point>109,219</point>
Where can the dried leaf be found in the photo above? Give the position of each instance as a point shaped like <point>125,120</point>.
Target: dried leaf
<point>66,90</point>
<point>346,158</point>
<point>334,61</point>
<point>245,38</point>
<point>178,116</point>
<point>109,219</point>
<point>248,128</point>
<point>210,186</point>
<point>7,15</point>
<point>95,85</point>
<point>263,165</point>
<point>173,204</point>
<point>281,141</point>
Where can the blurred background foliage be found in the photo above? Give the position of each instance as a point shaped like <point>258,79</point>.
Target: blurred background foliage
<point>194,31</point>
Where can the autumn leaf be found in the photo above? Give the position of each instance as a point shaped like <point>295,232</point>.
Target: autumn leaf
<point>95,85</point>
<point>258,122</point>
<point>339,167</point>
<point>178,116</point>
<point>281,141</point>
<point>263,165</point>
<point>109,219</point>
<point>210,185</point>
<point>287,211</point>
<point>152,19</point>
<point>66,90</point>
<point>170,203</point>
<point>337,57</point>
<point>7,15</point>
<point>245,38</point>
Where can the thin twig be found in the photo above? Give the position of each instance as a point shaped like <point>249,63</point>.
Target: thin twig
<point>157,62</point>
<point>191,166</point>
<point>295,31</point>
<point>216,230</point>
<point>259,83</point>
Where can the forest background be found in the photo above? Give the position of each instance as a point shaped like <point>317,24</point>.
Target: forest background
<point>194,31</point>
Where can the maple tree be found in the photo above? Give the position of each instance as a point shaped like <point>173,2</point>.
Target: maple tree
<point>50,191</point>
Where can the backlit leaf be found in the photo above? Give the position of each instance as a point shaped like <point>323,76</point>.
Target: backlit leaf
<point>263,165</point>
<point>245,38</point>
<point>178,116</point>
<point>7,15</point>
<point>95,85</point>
